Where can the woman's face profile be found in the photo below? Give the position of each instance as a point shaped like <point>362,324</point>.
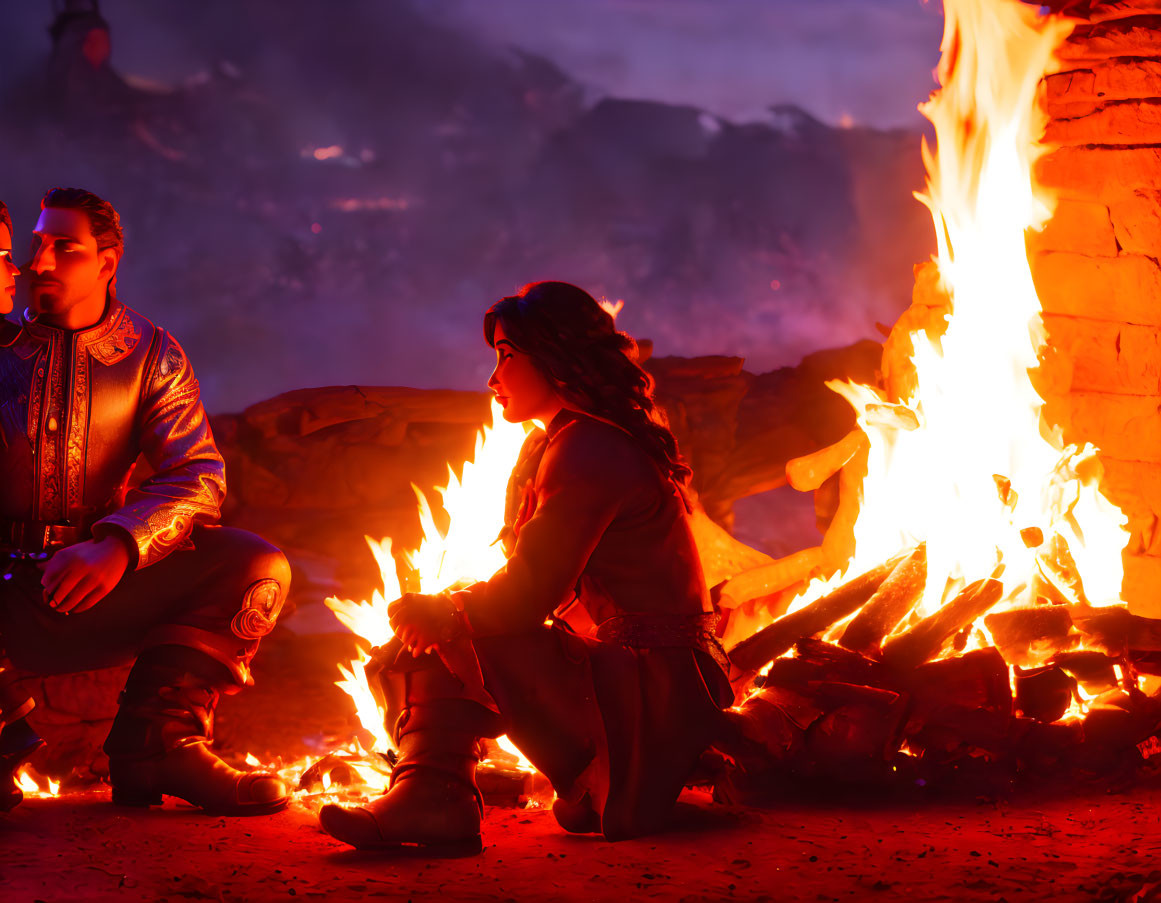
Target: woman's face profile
<point>522,390</point>
<point>8,271</point>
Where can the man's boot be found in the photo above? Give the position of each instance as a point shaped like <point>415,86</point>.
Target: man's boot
<point>160,741</point>
<point>18,741</point>
<point>433,801</point>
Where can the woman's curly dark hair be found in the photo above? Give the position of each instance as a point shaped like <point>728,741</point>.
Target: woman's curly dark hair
<point>574,342</point>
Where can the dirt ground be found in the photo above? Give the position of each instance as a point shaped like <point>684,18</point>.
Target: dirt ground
<point>81,848</point>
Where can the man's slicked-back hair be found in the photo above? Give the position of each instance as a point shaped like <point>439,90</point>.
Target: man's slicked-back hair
<point>104,222</point>
<point>5,217</point>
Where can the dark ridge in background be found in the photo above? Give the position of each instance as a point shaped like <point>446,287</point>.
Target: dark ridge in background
<point>452,170</point>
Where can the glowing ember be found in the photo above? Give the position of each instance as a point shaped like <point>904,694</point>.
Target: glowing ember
<point>967,463</point>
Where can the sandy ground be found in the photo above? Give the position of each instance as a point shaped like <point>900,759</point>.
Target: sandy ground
<point>1103,847</point>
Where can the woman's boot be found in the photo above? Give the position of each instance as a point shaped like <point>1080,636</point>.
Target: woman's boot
<point>160,741</point>
<point>433,801</point>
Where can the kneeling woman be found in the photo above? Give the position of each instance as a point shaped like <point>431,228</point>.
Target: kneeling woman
<point>613,699</point>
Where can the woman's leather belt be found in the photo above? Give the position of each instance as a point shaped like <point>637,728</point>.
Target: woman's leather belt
<point>38,536</point>
<point>646,631</point>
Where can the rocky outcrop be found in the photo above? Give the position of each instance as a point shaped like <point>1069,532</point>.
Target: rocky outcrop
<point>316,470</point>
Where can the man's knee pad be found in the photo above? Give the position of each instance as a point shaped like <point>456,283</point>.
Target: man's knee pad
<point>255,615</point>
<point>260,606</point>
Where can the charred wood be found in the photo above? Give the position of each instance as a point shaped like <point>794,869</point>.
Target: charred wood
<point>1044,749</point>
<point>926,639</point>
<point>977,680</point>
<point>1113,726</point>
<point>1027,636</point>
<point>889,605</point>
<point>954,731</point>
<point>1115,630</point>
<point>842,665</point>
<point>1145,662</point>
<point>1044,694</point>
<point>855,741</point>
<point>1093,670</point>
<point>767,728</point>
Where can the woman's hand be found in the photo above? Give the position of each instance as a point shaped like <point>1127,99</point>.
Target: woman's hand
<point>423,622</point>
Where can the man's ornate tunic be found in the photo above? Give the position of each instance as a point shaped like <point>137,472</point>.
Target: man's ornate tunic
<point>76,409</point>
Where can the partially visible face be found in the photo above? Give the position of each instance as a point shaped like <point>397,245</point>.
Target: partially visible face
<point>66,268</point>
<point>8,271</point>
<point>522,390</point>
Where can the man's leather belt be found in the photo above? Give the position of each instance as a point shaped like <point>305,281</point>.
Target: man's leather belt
<point>38,536</point>
<point>647,631</point>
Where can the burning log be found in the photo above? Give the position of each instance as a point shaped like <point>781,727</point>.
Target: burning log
<point>771,641</point>
<point>1059,577</point>
<point>770,578</point>
<point>1115,630</point>
<point>1044,693</point>
<point>816,662</point>
<point>809,472</point>
<point>838,543</point>
<point>1027,636</point>
<point>1093,670</point>
<point>925,639</point>
<point>889,605</point>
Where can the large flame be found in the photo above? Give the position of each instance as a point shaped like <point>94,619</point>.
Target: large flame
<point>971,468</point>
<point>466,552</point>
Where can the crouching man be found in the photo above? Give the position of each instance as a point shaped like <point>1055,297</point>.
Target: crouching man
<point>98,573</point>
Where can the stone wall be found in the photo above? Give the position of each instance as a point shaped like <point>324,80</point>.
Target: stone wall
<point>1096,265</point>
<point>1096,268</point>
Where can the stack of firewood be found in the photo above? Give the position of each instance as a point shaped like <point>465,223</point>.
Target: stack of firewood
<point>873,692</point>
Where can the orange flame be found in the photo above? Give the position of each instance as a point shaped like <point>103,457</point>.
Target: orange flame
<point>34,785</point>
<point>465,553</point>
<point>973,467</point>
